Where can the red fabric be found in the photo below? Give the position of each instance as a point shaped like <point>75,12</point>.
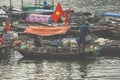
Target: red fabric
<point>57,13</point>
<point>7,27</point>
<point>67,17</point>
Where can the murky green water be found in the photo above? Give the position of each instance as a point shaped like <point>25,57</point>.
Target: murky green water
<point>102,68</point>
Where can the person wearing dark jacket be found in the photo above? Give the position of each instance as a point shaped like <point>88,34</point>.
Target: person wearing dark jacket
<point>84,31</point>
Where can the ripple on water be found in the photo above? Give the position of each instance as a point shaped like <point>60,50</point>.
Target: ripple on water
<point>103,68</point>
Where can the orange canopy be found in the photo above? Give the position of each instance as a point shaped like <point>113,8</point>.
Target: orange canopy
<point>46,30</point>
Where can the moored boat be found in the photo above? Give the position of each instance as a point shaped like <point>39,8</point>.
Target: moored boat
<point>54,53</point>
<point>48,51</point>
<point>115,33</point>
<point>102,52</point>
<point>110,51</point>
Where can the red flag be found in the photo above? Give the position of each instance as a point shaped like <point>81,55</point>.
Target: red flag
<point>57,13</point>
<point>67,17</point>
<point>7,27</point>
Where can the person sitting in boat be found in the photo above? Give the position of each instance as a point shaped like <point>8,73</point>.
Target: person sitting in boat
<point>84,31</point>
<point>37,42</point>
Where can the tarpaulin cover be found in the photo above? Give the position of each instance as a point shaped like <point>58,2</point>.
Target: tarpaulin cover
<point>112,14</point>
<point>46,30</point>
<point>38,18</point>
<point>43,10</point>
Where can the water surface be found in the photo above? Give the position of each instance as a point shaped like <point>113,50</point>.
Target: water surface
<point>102,68</point>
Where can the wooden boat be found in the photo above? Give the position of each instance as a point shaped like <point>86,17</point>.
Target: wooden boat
<point>50,30</point>
<point>61,29</point>
<point>53,54</point>
<point>115,33</point>
<point>63,52</point>
<point>110,51</point>
<point>37,5</point>
<point>5,47</point>
<point>103,52</point>
<point>18,15</point>
<point>5,50</point>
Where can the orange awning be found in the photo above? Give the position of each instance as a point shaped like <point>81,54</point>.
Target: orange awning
<point>46,30</point>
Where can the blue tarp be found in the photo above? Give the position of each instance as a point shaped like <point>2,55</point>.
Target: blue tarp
<point>56,42</point>
<point>112,14</point>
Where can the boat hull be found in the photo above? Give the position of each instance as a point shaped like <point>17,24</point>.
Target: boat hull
<point>54,55</point>
<point>112,52</point>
